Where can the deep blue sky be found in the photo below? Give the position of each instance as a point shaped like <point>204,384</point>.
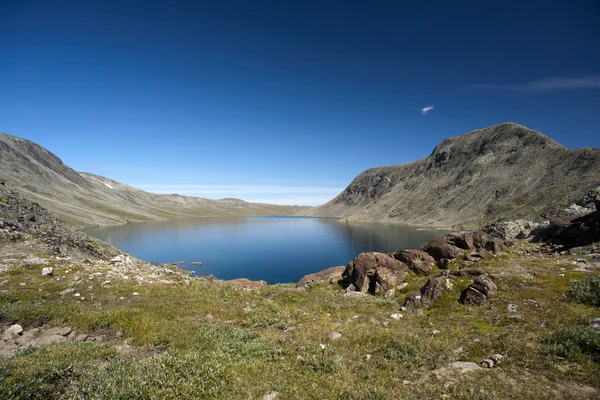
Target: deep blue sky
<point>287,101</point>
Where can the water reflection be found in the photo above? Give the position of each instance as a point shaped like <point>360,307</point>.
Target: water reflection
<point>274,249</point>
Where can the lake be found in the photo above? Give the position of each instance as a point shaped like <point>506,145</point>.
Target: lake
<point>273,249</point>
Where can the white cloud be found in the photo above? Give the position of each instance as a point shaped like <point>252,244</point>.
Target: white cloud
<point>272,194</point>
<point>425,110</point>
<point>553,84</point>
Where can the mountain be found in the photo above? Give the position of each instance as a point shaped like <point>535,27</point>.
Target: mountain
<point>86,199</point>
<point>504,171</point>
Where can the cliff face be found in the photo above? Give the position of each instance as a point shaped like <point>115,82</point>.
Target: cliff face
<point>87,199</point>
<point>504,171</point>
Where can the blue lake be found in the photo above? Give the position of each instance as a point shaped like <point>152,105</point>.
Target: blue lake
<point>273,249</point>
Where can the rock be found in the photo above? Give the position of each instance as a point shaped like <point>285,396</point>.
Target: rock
<point>464,366</point>
<point>49,339</point>
<point>451,245</point>
<point>208,317</point>
<point>448,384</point>
<point>396,316</point>
<point>418,261</point>
<point>81,337</point>
<point>47,271</point>
<point>334,335</point>
<point>67,291</point>
<point>512,308</point>
<point>135,294</point>
<point>196,263</point>
<point>516,229</point>
<point>444,263</point>
<point>329,275</point>
<point>368,357</point>
<point>479,291</point>
<point>389,293</point>
<point>270,396</point>
<point>429,293</point>
<point>62,331</point>
<point>369,271</point>
<point>14,330</point>
<point>487,363</point>
<point>497,358</point>
<point>595,323</point>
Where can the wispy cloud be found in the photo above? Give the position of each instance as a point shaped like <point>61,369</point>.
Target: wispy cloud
<point>273,194</point>
<point>553,84</point>
<point>425,110</point>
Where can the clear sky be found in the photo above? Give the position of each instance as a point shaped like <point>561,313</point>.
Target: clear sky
<point>287,101</point>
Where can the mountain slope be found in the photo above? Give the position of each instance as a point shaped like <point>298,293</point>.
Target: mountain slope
<point>504,171</point>
<point>87,199</point>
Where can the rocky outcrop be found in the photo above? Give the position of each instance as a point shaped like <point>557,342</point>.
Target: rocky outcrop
<point>451,245</point>
<point>430,292</point>
<point>580,231</point>
<point>504,171</point>
<point>479,291</point>
<point>330,275</point>
<point>517,229</point>
<point>417,260</point>
<point>370,272</point>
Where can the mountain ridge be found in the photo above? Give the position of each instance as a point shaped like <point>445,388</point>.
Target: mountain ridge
<point>85,199</point>
<point>503,171</point>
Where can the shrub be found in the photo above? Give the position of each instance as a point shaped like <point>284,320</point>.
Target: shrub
<point>573,342</point>
<point>586,290</point>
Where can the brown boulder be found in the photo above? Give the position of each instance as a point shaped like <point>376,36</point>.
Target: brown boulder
<point>430,292</point>
<point>479,291</point>
<point>245,284</point>
<point>370,271</point>
<point>451,245</point>
<point>329,275</point>
<point>417,260</point>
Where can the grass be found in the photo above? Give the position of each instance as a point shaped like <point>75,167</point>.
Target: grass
<point>276,338</point>
<point>586,290</point>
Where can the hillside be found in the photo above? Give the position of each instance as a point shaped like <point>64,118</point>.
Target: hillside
<point>504,171</point>
<point>87,199</point>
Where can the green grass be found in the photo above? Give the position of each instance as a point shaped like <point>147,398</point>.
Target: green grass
<point>586,290</point>
<point>276,338</point>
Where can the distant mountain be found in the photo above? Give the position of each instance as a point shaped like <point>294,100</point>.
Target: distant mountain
<point>504,171</point>
<point>87,199</point>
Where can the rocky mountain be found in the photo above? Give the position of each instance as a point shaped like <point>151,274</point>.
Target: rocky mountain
<point>506,171</point>
<point>87,199</point>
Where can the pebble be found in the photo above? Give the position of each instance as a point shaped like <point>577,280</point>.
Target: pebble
<point>135,293</point>
<point>435,332</point>
<point>448,384</point>
<point>513,307</point>
<point>334,335</point>
<point>47,271</point>
<point>487,363</point>
<point>368,357</point>
<point>595,323</point>
<point>397,316</point>
<point>67,291</point>
<point>270,396</point>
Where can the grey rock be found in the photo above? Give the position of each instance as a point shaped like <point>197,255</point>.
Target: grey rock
<point>47,271</point>
<point>67,291</point>
<point>271,395</point>
<point>61,331</point>
<point>487,363</point>
<point>334,335</point>
<point>595,323</point>
<point>464,366</point>
<point>512,308</point>
<point>12,332</point>
<point>49,339</point>
<point>81,337</point>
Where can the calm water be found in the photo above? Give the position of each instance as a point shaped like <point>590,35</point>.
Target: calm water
<point>274,249</point>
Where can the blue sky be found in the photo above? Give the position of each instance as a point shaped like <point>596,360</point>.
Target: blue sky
<point>287,101</point>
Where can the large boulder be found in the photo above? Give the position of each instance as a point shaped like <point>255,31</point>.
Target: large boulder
<point>372,271</point>
<point>329,275</point>
<point>430,292</point>
<point>418,261</point>
<point>516,229</point>
<point>580,231</point>
<point>479,291</point>
<point>451,245</point>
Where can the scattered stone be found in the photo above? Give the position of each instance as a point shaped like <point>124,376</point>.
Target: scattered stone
<point>402,286</point>
<point>497,358</point>
<point>397,316</point>
<point>67,291</point>
<point>196,263</point>
<point>448,384</point>
<point>245,284</point>
<point>135,293</point>
<point>270,396</point>
<point>208,317</point>
<point>458,350</point>
<point>368,357</point>
<point>389,294</point>
<point>435,332</point>
<point>123,349</point>
<point>77,295</point>
<point>12,332</point>
<point>487,363</point>
<point>334,335</point>
<point>4,282</point>
<point>512,307</point>
<point>323,346</point>
<point>595,323</point>
<point>81,337</point>
<point>354,294</point>
<point>50,339</point>
<point>429,293</point>
<point>47,271</point>
<point>464,366</point>
<point>451,245</point>
<point>444,263</point>
<point>330,275</point>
